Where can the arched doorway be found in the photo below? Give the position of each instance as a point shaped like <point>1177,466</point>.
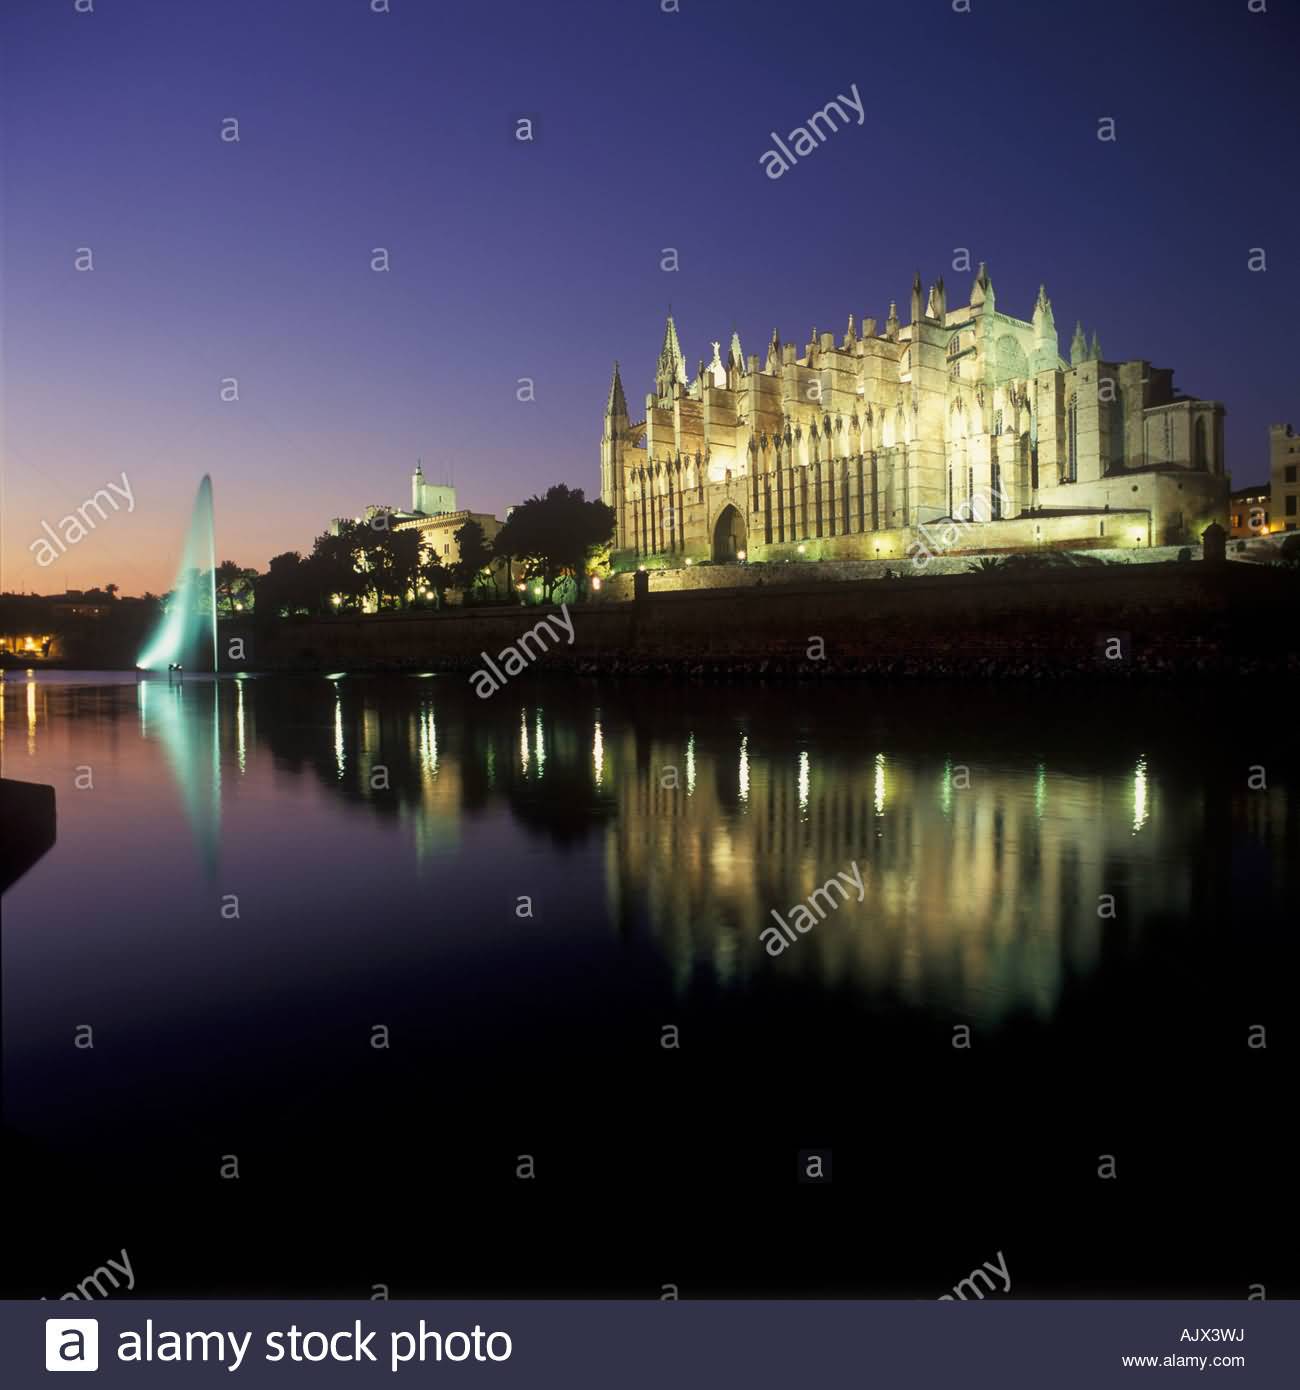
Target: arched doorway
<point>728,534</point>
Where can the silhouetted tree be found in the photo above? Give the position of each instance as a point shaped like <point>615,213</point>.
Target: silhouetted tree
<point>556,536</point>
<point>475,555</point>
<point>286,588</point>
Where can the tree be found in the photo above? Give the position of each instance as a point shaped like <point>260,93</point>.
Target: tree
<point>435,576</point>
<point>286,587</point>
<point>556,536</point>
<point>475,555</point>
<point>338,573</point>
<point>234,586</point>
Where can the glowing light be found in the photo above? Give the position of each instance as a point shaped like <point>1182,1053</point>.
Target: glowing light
<point>690,764</point>
<point>1040,791</point>
<point>335,600</point>
<point>945,787</point>
<point>339,760</point>
<point>31,713</point>
<point>689,561</point>
<point>595,582</point>
<point>336,675</point>
<point>239,724</point>
<point>803,548</point>
<point>740,555</point>
<point>523,739</point>
<point>541,747</point>
<point>744,767</point>
<point>1140,812</point>
<point>880,784</point>
<point>803,780</point>
<point>598,753</point>
<point>429,743</point>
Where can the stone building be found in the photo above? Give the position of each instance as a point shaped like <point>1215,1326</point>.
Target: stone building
<point>1284,467</point>
<point>899,436</point>
<point>1248,512</point>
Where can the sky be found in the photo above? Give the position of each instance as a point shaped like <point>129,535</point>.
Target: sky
<point>215,259</point>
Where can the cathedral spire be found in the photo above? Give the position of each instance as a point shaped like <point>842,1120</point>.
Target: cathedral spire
<point>916,296</point>
<point>617,403</point>
<point>1094,350</point>
<point>981,292</point>
<point>736,353</point>
<point>672,365</point>
<point>1078,345</point>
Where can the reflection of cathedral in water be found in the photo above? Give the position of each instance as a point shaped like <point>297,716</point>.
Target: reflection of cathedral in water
<point>990,882</point>
<point>984,884</point>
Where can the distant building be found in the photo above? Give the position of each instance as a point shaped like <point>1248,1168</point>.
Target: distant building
<point>438,533</point>
<point>430,499</point>
<point>1284,461</point>
<point>1248,509</point>
<point>848,449</point>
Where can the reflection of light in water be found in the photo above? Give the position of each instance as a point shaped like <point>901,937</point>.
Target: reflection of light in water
<point>192,744</point>
<point>803,780</point>
<point>744,767</point>
<point>491,765</point>
<point>523,739</point>
<point>31,714</point>
<point>428,743</point>
<point>1040,790</point>
<point>690,764</point>
<point>541,747</point>
<point>339,759</point>
<point>598,752</point>
<point>239,724</point>
<point>880,784</point>
<point>945,788</point>
<point>1140,794</point>
<point>142,700</point>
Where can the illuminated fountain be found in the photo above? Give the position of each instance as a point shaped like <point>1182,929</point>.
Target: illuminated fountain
<point>191,618</point>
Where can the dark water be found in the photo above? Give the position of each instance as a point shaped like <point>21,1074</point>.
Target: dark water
<point>1083,879</point>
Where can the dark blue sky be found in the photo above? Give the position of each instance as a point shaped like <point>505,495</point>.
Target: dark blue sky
<point>509,260</point>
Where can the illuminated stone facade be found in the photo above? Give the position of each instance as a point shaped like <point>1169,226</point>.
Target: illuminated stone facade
<point>1284,468</point>
<point>961,413</point>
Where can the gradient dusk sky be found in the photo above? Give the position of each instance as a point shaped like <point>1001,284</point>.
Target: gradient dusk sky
<point>360,130</point>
